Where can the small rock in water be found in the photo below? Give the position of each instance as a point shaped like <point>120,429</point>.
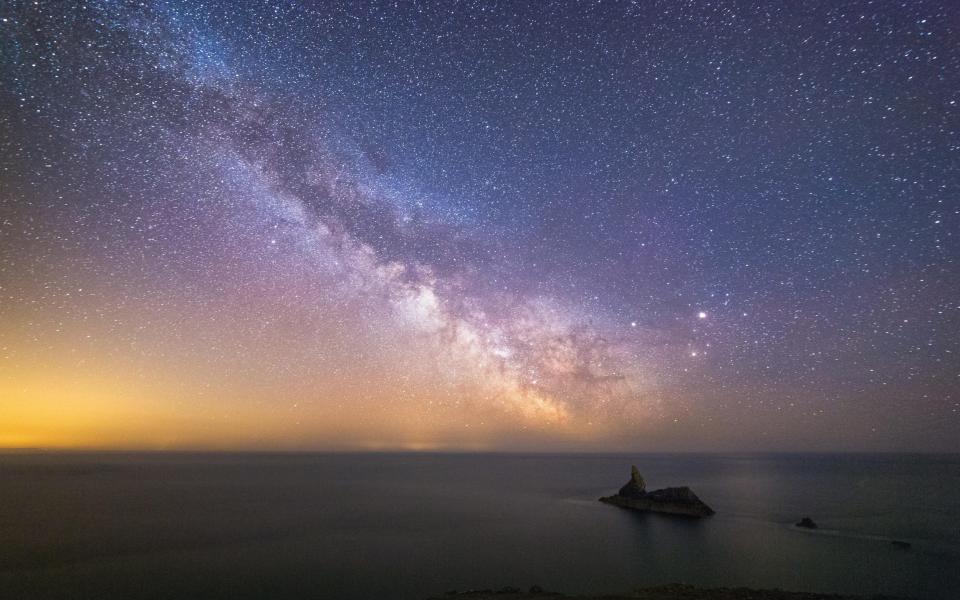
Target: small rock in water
<point>807,523</point>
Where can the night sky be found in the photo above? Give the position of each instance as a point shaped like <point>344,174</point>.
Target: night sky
<point>480,226</point>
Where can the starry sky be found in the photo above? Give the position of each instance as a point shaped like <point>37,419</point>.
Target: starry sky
<point>698,225</point>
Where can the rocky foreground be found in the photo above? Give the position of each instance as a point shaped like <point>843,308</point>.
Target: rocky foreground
<point>672,501</point>
<point>666,592</point>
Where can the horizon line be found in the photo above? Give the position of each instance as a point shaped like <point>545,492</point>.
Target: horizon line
<point>408,451</point>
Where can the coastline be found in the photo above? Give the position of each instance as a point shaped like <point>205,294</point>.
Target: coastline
<point>674,591</point>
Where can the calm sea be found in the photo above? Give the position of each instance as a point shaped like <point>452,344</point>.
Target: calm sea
<point>305,526</point>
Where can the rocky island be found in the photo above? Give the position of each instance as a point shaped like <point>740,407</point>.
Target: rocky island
<point>672,501</point>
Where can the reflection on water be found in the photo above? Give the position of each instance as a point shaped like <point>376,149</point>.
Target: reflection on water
<point>408,526</point>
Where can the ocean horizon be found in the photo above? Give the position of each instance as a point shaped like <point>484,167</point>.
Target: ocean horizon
<point>410,525</point>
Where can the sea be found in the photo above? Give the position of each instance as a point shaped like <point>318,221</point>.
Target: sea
<point>413,526</point>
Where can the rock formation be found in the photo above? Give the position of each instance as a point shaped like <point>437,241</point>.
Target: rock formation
<point>672,501</point>
<point>636,487</point>
<point>807,523</point>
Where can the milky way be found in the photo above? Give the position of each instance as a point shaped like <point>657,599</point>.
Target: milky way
<point>480,225</point>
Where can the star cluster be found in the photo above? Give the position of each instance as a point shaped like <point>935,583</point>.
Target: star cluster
<point>650,225</point>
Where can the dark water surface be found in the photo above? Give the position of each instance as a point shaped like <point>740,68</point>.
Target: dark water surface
<point>401,526</point>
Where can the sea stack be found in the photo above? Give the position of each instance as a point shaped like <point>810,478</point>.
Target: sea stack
<point>679,501</point>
